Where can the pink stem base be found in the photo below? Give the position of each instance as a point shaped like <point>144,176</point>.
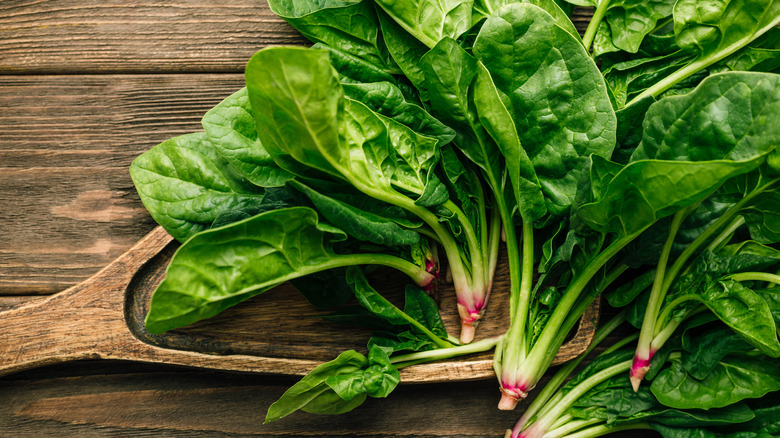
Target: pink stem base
<point>638,370</point>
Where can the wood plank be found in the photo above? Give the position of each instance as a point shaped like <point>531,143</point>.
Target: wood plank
<point>137,400</point>
<point>121,36</point>
<point>98,36</point>
<point>66,142</point>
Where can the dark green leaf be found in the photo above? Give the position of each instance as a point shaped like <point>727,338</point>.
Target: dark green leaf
<point>372,300</point>
<point>219,268</point>
<point>360,224</point>
<point>325,289</point>
<point>230,127</point>
<point>707,346</point>
<point>735,378</point>
<point>312,394</point>
<point>430,21</point>
<point>346,25</point>
<point>728,116</point>
<point>186,185</point>
<point>423,308</point>
<point>378,379</point>
<point>386,99</point>
<point>554,92</point>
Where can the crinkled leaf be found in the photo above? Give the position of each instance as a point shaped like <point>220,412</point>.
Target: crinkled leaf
<point>646,191</point>
<point>450,73</point>
<point>346,25</point>
<point>728,116</point>
<point>708,28</point>
<point>230,127</point>
<point>406,50</point>
<point>420,306</point>
<point>631,20</point>
<point>430,21</point>
<point>388,100</point>
<point>313,395</point>
<point>351,68</point>
<point>360,224</point>
<point>369,298</point>
<point>554,92</point>
<point>744,312</point>
<point>735,378</point>
<point>705,348</point>
<point>186,185</point>
<point>378,379</point>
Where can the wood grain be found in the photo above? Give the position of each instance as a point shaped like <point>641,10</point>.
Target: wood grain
<point>121,36</point>
<point>66,142</point>
<point>142,36</point>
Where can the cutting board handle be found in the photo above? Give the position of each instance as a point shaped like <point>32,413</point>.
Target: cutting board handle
<point>85,321</point>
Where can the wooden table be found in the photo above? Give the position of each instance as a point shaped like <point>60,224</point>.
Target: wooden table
<point>85,87</point>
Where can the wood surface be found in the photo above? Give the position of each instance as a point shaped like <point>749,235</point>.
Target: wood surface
<point>86,86</point>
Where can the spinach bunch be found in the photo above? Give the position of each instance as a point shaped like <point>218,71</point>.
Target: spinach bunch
<point>411,127</point>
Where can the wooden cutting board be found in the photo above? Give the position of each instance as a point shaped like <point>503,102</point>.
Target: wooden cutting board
<point>277,332</point>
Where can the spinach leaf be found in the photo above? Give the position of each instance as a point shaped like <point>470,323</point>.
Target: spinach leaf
<point>353,69</point>
<point>430,21</point>
<point>728,116</point>
<point>646,191</point>
<point>735,378</point>
<point>406,50</point>
<point>745,312</point>
<point>219,268</point>
<point>312,122</point>
<point>347,26</point>
<point>186,185</point>
<point>422,315</point>
<point>338,386</point>
<point>554,92</point>
<point>360,224</point>
<point>388,100</point>
<point>713,31</point>
<point>377,379</point>
<point>230,127</point>
<point>313,394</point>
<point>707,346</point>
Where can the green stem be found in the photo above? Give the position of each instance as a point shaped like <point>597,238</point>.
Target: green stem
<point>756,276</point>
<point>459,274</point>
<point>664,315</point>
<point>656,296</point>
<point>571,427</point>
<point>541,425</point>
<point>595,21</point>
<point>475,246</point>
<point>661,25</point>
<point>726,218</point>
<point>495,237</point>
<point>726,234</point>
<point>538,359</point>
<point>420,276</point>
<point>699,64</point>
<point>563,373</point>
<point>526,282</point>
<point>668,330</point>
<point>427,232</point>
<point>444,353</point>
<point>596,431</point>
